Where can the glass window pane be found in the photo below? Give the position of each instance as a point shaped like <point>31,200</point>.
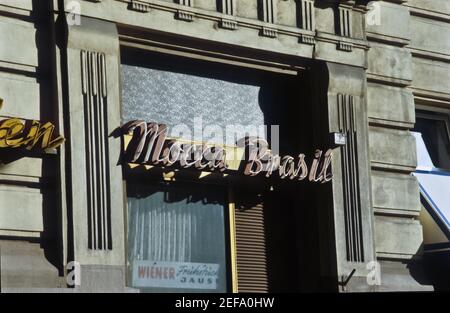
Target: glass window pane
<point>435,135</point>
<point>176,237</point>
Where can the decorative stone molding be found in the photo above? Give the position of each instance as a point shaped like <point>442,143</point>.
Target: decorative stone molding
<point>350,177</point>
<point>219,18</point>
<point>345,21</point>
<point>228,7</point>
<point>267,10</point>
<point>269,32</point>
<point>93,76</point>
<point>307,21</point>
<point>308,39</point>
<point>184,16</point>
<point>189,3</point>
<point>430,55</point>
<point>307,15</point>
<point>387,39</point>
<point>432,15</point>
<point>228,24</point>
<point>92,109</point>
<point>383,79</point>
<point>347,216</point>
<point>345,46</point>
<point>344,26</point>
<point>139,6</point>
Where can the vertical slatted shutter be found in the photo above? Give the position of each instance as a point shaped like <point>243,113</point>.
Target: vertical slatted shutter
<point>251,250</point>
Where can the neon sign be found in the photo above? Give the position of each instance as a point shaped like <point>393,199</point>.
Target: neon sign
<point>28,134</point>
<point>148,144</point>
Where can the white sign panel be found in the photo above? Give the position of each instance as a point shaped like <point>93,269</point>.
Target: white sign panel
<point>175,274</point>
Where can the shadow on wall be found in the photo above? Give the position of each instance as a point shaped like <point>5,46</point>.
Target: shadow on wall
<point>433,268</point>
<point>417,268</point>
<point>51,237</point>
<point>37,262</point>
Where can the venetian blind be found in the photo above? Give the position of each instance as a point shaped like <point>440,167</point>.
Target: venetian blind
<point>251,248</point>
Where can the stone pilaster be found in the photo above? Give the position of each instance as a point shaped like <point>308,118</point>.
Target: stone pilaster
<point>96,193</point>
<point>345,211</point>
<point>391,113</point>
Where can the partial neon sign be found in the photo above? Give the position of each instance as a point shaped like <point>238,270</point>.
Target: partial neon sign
<point>28,134</point>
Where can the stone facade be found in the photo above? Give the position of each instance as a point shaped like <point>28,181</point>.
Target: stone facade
<point>379,60</point>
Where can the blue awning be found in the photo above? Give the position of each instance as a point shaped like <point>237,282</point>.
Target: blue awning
<point>434,185</point>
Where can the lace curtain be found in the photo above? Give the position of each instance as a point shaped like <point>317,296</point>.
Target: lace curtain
<point>177,223</point>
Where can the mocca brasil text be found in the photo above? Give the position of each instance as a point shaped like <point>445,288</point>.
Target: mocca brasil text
<point>149,145</point>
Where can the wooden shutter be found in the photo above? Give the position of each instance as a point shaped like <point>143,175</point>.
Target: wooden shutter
<point>251,254</point>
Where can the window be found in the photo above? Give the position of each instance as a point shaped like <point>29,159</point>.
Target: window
<point>434,128</point>
<point>179,233</point>
<point>433,166</point>
<point>176,237</point>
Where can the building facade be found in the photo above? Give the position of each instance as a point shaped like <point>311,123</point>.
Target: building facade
<point>101,212</point>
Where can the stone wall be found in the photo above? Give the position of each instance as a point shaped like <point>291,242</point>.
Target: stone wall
<point>407,63</point>
<point>30,206</point>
